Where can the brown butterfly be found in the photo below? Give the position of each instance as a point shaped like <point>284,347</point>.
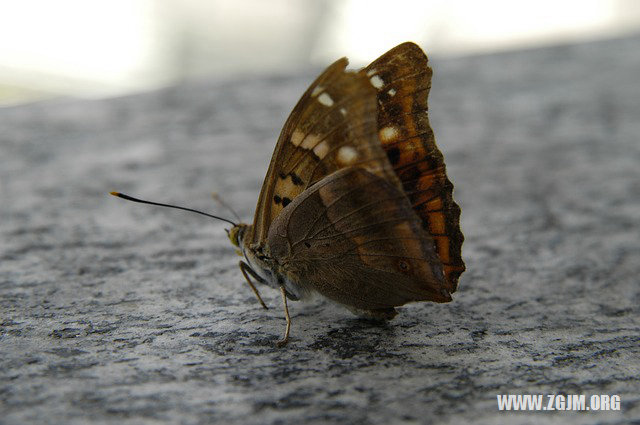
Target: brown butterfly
<point>356,205</point>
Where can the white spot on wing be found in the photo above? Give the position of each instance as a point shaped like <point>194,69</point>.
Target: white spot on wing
<point>371,72</point>
<point>388,133</point>
<point>343,112</point>
<point>392,92</point>
<point>309,142</point>
<point>296,137</point>
<point>325,99</point>
<point>316,91</point>
<point>346,155</point>
<point>376,82</point>
<point>321,149</point>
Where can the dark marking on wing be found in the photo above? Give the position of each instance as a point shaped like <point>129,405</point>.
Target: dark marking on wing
<point>394,155</point>
<point>295,179</point>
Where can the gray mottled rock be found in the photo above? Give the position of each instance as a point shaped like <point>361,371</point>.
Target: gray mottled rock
<point>117,313</point>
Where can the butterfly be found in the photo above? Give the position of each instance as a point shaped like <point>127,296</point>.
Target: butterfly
<point>356,205</point>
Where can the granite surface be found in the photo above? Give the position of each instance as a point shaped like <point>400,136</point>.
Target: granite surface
<point>113,312</point>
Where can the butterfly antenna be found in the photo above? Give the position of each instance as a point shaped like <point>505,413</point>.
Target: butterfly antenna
<point>219,200</point>
<point>141,201</point>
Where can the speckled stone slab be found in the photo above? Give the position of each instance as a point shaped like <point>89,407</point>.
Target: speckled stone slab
<point>118,313</point>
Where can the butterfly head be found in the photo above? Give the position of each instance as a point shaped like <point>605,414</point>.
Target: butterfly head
<point>236,234</point>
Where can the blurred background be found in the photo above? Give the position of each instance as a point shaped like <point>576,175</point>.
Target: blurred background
<point>99,48</point>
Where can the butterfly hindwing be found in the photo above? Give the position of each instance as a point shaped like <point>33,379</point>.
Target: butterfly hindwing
<point>354,238</point>
<point>334,125</point>
<point>402,78</point>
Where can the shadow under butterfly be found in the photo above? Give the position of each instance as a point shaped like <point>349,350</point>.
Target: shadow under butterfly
<point>356,205</point>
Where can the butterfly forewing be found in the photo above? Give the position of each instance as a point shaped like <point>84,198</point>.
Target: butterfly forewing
<point>402,78</point>
<point>355,236</point>
<point>334,125</point>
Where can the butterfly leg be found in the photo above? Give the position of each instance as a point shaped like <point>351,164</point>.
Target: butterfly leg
<point>284,340</point>
<point>246,271</point>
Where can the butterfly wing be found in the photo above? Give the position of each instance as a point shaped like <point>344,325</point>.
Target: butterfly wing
<point>333,125</point>
<point>402,78</point>
<point>354,238</point>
